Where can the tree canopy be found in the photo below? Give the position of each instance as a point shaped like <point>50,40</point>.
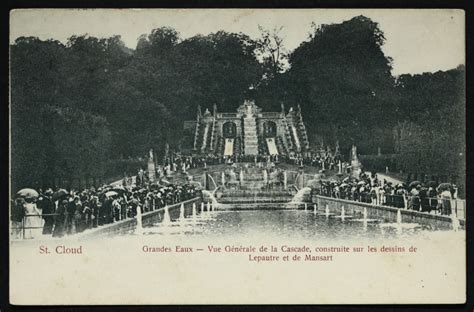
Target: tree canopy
<point>79,105</point>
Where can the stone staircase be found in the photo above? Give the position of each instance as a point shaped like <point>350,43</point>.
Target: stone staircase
<point>250,135</point>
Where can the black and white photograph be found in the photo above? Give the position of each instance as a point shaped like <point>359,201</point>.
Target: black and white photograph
<point>237,156</point>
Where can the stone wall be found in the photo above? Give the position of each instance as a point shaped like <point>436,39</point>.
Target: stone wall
<point>388,214</point>
<point>148,218</point>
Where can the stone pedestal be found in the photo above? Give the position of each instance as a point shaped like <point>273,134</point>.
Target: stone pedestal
<point>355,163</point>
<point>300,181</point>
<point>151,170</point>
<point>205,179</point>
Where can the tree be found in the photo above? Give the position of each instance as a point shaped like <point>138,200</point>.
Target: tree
<point>431,138</point>
<point>271,50</point>
<point>341,70</point>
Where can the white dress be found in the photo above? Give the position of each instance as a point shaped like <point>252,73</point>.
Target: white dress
<point>33,221</point>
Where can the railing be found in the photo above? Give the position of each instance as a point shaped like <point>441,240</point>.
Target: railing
<point>227,115</point>
<point>72,223</point>
<point>213,134</point>
<point>288,134</point>
<point>439,205</point>
<point>255,193</point>
<point>273,115</point>
<point>196,133</point>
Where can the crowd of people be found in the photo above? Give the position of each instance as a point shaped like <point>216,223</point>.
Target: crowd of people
<point>65,212</point>
<point>322,160</point>
<point>425,197</point>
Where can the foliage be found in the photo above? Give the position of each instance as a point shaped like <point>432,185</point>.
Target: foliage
<point>79,106</point>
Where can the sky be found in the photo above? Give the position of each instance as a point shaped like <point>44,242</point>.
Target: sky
<point>418,40</point>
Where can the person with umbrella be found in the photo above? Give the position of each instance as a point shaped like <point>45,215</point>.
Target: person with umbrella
<point>388,190</point>
<point>70,215</point>
<point>424,204</point>
<point>432,196</point>
<point>399,196</point>
<point>60,220</point>
<point>116,208</point>
<point>17,214</point>
<point>106,211</point>
<point>444,190</point>
<point>33,222</point>
<point>94,205</point>
<point>86,211</point>
<point>414,202</point>
<point>78,220</point>
<point>46,205</point>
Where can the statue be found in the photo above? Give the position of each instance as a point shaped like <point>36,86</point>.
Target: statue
<point>232,176</point>
<point>355,163</point>
<point>249,110</point>
<point>151,167</point>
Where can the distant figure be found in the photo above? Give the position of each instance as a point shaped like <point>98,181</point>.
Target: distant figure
<point>33,221</point>
<point>60,220</point>
<point>17,214</point>
<point>446,197</point>
<point>47,209</point>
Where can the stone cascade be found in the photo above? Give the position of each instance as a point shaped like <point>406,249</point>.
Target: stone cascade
<point>237,147</point>
<point>253,187</point>
<point>303,132</point>
<point>220,146</point>
<point>253,179</point>
<point>250,127</point>
<point>281,146</point>
<point>205,137</point>
<point>250,135</point>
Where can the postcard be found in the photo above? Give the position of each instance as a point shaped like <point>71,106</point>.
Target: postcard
<point>237,156</point>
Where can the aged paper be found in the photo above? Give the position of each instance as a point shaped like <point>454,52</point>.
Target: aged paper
<point>237,156</point>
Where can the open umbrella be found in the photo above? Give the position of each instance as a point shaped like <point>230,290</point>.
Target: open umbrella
<point>414,184</point>
<point>59,194</point>
<point>27,193</point>
<point>119,189</point>
<point>111,193</point>
<point>444,186</point>
<point>432,184</point>
<point>165,182</point>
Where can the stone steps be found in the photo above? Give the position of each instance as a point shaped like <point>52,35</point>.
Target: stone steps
<point>250,136</point>
<point>241,200</point>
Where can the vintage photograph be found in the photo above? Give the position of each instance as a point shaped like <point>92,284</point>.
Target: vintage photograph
<point>225,154</point>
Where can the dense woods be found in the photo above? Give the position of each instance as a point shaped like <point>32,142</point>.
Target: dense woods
<point>81,107</point>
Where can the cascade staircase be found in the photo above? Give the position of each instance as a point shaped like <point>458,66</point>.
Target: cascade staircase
<point>237,146</point>
<point>220,146</point>
<point>303,133</point>
<point>250,135</point>
<point>282,150</point>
